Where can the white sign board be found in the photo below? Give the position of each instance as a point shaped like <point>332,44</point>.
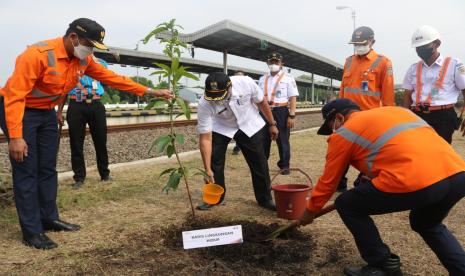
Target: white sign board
<point>212,237</point>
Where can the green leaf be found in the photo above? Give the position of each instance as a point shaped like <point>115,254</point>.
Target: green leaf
<point>160,143</point>
<point>156,102</point>
<point>157,73</point>
<point>173,181</point>
<point>164,67</point>
<point>201,172</point>
<point>154,32</point>
<point>180,138</point>
<point>166,171</point>
<point>174,64</point>
<point>190,76</point>
<point>185,108</point>
<point>170,150</point>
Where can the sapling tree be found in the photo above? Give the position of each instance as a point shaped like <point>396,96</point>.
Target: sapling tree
<point>172,74</point>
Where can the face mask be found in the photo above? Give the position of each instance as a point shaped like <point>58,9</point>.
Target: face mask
<point>81,52</point>
<point>361,49</point>
<point>424,53</point>
<point>274,67</point>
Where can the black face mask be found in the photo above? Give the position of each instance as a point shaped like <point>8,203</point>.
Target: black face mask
<point>424,53</point>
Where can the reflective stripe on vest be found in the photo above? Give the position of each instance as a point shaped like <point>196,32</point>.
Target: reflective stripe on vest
<point>375,63</point>
<point>348,62</point>
<point>39,94</point>
<point>50,53</point>
<point>360,91</point>
<point>273,92</point>
<point>437,85</point>
<point>374,148</point>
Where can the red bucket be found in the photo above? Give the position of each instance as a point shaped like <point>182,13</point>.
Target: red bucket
<point>291,199</point>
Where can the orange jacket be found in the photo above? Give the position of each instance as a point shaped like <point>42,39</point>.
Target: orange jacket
<point>398,150</point>
<point>377,71</point>
<point>44,74</point>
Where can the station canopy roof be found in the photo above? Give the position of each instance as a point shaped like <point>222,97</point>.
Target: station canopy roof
<point>243,41</point>
<point>146,60</point>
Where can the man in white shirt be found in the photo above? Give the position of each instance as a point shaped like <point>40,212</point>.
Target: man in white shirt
<point>228,111</point>
<point>433,84</point>
<point>280,91</point>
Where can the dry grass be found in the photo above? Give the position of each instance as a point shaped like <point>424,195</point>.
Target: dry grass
<point>112,214</point>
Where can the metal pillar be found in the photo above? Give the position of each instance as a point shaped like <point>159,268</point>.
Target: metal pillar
<point>225,61</point>
<point>313,88</point>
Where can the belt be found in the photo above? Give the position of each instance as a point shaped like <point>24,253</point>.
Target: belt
<point>278,104</point>
<point>427,108</point>
<point>95,97</point>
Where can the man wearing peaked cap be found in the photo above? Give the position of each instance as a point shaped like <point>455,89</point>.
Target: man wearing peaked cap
<point>228,110</point>
<point>367,79</point>
<point>281,93</point>
<point>44,73</point>
<point>394,147</point>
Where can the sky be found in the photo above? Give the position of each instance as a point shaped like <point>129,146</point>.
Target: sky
<point>314,25</point>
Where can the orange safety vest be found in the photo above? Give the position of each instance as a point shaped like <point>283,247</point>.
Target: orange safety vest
<point>438,85</point>
<point>376,71</point>
<point>398,150</point>
<point>43,76</point>
<point>273,92</point>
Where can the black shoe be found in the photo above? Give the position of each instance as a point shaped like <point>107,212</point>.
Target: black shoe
<point>341,190</point>
<point>285,172</point>
<point>78,184</point>
<point>236,152</point>
<point>390,267</point>
<point>106,178</point>
<point>40,241</point>
<point>59,225</point>
<point>268,205</point>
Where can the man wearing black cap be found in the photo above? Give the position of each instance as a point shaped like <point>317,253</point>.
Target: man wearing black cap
<point>367,79</point>
<point>228,111</point>
<point>281,93</point>
<point>394,147</point>
<point>45,72</point>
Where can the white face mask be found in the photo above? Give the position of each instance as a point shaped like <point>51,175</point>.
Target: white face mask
<point>274,67</point>
<point>361,49</point>
<point>81,52</point>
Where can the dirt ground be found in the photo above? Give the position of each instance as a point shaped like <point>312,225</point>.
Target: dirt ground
<point>129,227</point>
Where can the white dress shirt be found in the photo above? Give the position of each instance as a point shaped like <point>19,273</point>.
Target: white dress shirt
<point>454,81</point>
<point>287,87</point>
<point>238,112</point>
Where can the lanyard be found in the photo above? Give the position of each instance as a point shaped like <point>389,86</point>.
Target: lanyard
<point>437,85</point>
<point>273,92</point>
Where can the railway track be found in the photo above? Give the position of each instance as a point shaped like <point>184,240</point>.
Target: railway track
<point>141,126</point>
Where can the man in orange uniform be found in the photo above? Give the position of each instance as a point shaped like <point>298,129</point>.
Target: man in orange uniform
<point>411,168</point>
<point>367,79</point>
<point>43,75</point>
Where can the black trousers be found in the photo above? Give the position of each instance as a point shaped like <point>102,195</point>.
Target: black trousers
<point>443,121</point>
<point>35,179</point>
<point>429,207</point>
<point>252,149</point>
<point>280,114</point>
<point>78,115</point>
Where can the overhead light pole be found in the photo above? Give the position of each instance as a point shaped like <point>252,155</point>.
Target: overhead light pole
<point>137,70</point>
<point>352,12</point>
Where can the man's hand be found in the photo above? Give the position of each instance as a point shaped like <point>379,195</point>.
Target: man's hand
<point>161,93</point>
<point>273,132</point>
<point>209,178</point>
<point>60,119</point>
<point>307,217</point>
<point>18,149</point>
<point>290,122</point>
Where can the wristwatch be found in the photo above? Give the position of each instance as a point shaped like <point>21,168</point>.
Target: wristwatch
<point>272,124</point>
<point>292,116</point>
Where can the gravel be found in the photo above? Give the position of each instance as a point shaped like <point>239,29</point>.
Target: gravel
<point>134,145</point>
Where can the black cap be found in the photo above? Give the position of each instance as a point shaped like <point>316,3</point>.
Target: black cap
<point>330,110</point>
<point>90,30</point>
<point>275,56</point>
<point>361,35</point>
<point>216,86</point>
